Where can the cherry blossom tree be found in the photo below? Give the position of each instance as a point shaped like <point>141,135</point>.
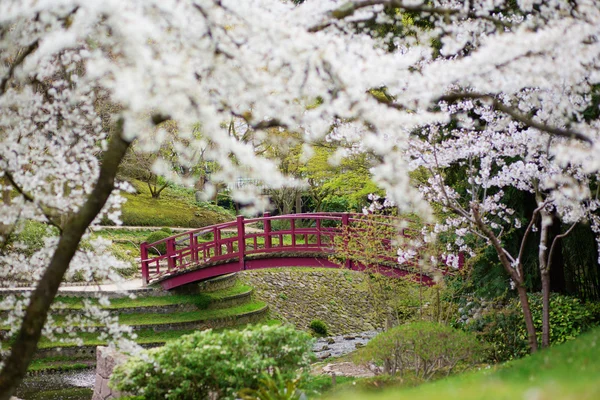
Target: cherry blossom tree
<point>81,80</point>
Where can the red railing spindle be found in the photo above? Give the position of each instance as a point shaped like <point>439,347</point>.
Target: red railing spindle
<point>318,232</point>
<point>170,254</point>
<point>144,260</point>
<point>193,247</point>
<point>346,233</point>
<point>241,231</point>
<point>293,230</point>
<point>267,229</point>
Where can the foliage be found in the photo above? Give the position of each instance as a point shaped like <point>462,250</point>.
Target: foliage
<point>594,309</point>
<point>319,327</point>
<point>425,348</point>
<point>161,248</point>
<point>273,387</point>
<point>504,330</point>
<point>208,362</point>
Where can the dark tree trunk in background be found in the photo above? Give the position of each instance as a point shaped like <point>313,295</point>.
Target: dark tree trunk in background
<point>557,272</point>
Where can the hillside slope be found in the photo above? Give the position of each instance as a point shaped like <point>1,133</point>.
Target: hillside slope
<point>174,208</point>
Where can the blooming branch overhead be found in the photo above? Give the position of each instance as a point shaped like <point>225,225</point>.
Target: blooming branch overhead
<point>81,79</point>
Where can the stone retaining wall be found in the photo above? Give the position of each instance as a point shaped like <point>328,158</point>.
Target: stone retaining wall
<point>106,361</point>
<point>340,298</point>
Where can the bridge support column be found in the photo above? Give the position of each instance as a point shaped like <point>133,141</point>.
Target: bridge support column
<point>241,241</point>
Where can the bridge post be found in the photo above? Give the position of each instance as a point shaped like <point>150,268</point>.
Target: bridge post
<point>267,229</point>
<point>346,236</point>
<point>144,261</point>
<point>241,231</point>
<point>170,254</point>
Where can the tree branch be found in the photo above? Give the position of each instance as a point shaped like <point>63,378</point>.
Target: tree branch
<point>20,59</point>
<point>556,238</point>
<point>348,9</point>
<point>498,105</point>
<point>30,199</point>
<point>531,222</point>
<point>25,344</point>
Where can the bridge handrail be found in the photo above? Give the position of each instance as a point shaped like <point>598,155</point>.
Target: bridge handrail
<point>221,247</point>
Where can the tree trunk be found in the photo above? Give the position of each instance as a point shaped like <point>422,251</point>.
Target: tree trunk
<point>545,309</point>
<point>544,266</point>
<point>557,272</point>
<point>531,335</point>
<point>516,275</point>
<point>25,345</point>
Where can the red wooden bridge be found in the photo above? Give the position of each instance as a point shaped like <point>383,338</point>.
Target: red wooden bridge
<point>296,240</point>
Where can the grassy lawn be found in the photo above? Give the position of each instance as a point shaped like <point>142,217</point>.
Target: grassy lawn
<point>174,208</point>
<point>567,371</point>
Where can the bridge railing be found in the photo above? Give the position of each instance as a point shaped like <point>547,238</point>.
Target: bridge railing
<point>231,241</point>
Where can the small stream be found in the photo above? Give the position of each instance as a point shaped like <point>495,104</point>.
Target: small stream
<point>336,346</point>
<point>79,385</point>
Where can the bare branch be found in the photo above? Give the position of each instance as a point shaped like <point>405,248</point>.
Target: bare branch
<point>556,238</point>
<point>529,227</point>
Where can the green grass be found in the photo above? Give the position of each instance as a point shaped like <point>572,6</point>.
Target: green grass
<point>567,371</point>
<point>174,208</point>
<point>189,316</point>
<point>61,363</point>
<point>144,336</point>
<point>176,317</point>
<point>155,301</point>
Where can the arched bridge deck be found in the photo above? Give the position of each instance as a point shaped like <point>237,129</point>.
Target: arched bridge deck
<point>296,240</point>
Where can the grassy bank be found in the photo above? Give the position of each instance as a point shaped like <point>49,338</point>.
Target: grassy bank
<point>174,208</point>
<point>567,371</point>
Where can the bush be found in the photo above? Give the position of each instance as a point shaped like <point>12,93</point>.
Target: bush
<point>155,237</point>
<point>206,363</point>
<point>274,387</point>
<point>504,329</point>
<point>594,310</point>
<point>319,327</point>
<point>166,229</point>
<point>425,348</point>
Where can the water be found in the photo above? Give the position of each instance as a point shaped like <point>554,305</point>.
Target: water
<point>76,385</point>
<point>336,346</point>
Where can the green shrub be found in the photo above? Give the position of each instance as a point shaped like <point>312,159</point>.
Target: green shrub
<point>423,348</point>
<point>504,329</point>
<point>274,387</point>
<point>206,363</point>
<point>155,237</point>
<point>594,310</point>
<point>166,229</point>
<point>319,327</point>
<point>202,301</point>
